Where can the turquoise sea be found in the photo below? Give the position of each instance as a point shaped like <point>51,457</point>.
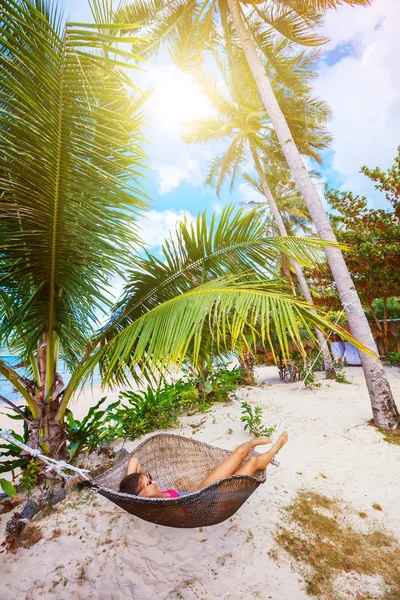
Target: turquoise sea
<point>7,390</point>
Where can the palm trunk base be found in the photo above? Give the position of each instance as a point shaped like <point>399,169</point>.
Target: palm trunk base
<point>246,363</point>
<point>384,409</point>
<point>330,372</point>
<point>48,435</point>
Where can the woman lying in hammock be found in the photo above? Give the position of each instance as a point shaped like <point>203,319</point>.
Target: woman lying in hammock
<point>141,484</point>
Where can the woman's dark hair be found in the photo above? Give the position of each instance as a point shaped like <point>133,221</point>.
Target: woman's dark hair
<point>131,484</point>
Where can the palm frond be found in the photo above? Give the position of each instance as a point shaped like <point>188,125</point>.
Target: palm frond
<point>70,168</point>
<point>228,308</point>
<point>201,251</point>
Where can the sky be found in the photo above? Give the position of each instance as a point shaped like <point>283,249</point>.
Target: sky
<point>358,76</point>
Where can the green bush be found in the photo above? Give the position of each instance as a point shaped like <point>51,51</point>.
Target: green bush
<point>95,428</point>
<point>253,421</point>
<point>393,358</point>
<point>308,376</point>
<point>11,457</point>
<point>144,411</point>
<point>214,384</point>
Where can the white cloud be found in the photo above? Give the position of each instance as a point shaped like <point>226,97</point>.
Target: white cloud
<point>363,89</point>
<point>171,175</point>
<point>217,208</point>
<point>249,194</point>
<point>155,226</point>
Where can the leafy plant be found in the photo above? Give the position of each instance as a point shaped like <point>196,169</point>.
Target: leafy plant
<point>8,487</point>
<point>393,358</point>
<point>152,409</point>
<point>340,377</point>
<point>11,456</point>
<point>312,364</point>
<point>307,374</point>
<point>213,383</point>
<point>30,475</point>
<point>253,421</point>
<point>96,427</point>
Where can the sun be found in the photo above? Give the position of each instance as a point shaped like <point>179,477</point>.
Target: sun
<point>176,98</point>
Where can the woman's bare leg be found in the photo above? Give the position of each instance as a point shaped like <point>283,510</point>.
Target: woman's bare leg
<point>229,465</point>
<point>258,463</point>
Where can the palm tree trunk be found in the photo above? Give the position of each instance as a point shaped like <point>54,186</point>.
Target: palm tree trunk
<point>246,363</point>
<point>384,408</point>
<point>328,363</point>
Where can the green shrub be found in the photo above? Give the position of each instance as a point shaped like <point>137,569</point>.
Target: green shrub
<point>340,377</point>
<point>144,411</point>
<point>214,384</point>
<point>11,457</point>
<point>393,358</point>
<point>308,376</point>
<point>253,421</point>
<point>94,429</point>
<point>30,475</point>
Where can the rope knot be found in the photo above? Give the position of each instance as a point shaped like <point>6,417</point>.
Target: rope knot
<point>35,452</point>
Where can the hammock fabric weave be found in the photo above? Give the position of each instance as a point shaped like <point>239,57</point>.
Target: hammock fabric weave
<point>180,463</point>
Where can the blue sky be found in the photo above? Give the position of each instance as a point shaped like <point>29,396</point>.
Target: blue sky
<point>358,76</point>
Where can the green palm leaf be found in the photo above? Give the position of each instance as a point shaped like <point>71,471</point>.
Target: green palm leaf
<point>227,308</point>
<point>70,166</point>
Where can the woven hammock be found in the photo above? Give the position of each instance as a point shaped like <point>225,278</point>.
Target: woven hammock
<point>180,463</point>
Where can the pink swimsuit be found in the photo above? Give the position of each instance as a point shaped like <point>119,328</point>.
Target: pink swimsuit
<point>174,493</point>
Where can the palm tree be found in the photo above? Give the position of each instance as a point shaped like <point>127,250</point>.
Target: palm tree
<point>290,203</point>
<point>70,156</point>
<point>241,119</point>
<point>203,284</point>
<point>192,26</point>
<point>384,407</point>
<point>70,166</point>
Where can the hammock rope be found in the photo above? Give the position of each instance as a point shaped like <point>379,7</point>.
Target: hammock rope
<point>58,466</point>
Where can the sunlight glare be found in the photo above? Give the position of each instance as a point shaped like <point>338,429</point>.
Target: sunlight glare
<point>176,98</point>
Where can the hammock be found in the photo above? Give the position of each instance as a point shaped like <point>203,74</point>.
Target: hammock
<point>179,463</point>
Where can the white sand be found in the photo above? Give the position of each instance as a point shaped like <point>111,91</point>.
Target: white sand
<point>104,553</point>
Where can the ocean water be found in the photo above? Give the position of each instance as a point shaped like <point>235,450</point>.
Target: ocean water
<point>7,389</point>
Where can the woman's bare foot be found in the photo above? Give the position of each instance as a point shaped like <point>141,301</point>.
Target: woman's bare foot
<point>280,442</point>
<point>263,460</point>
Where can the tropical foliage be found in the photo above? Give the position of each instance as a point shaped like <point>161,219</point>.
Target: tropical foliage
<point>376,234</point>
<point>70,172</point>
<point>212,285</point>
<point>191,28</point>
<point>69,166</point>
<point>240,119</point>
<point>252,417</point>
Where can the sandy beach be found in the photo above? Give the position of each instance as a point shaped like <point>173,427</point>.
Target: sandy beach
<point>92,549</point>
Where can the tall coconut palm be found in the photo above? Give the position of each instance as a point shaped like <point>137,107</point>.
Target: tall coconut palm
<point>70,164</point>
<point>242,120</point>
<point>384,408</point>
<point>192,26</point>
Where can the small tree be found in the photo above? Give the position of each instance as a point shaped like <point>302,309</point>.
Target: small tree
<point>375,235</point>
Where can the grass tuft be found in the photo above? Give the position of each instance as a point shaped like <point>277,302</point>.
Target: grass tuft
<point>318,539</point>
<point>391,437</point>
